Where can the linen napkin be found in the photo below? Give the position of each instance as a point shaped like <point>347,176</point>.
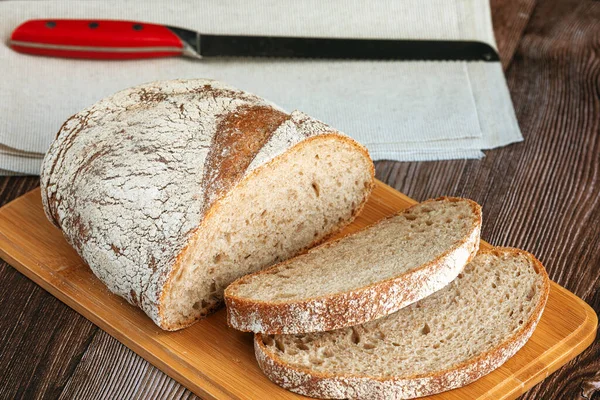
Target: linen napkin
<point>405,111</point>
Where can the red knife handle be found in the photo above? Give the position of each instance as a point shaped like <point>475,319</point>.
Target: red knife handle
<point>95,39</point>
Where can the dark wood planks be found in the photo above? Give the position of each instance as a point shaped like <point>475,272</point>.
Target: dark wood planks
<point>510,19</point>
<point>542,195</point>
<point>555,81</point>
<point>109,370</point>
<point>41,340</point>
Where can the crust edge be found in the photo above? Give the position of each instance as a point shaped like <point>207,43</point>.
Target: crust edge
<point>176,265</point>
<point>314,384</point>
<point>338,310</point>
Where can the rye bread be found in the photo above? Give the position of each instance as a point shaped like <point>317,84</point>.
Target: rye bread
<point>442,342</point>
<point>171,190</point>
<point>363,276</point>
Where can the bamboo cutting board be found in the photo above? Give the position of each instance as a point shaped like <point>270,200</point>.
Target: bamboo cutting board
<point>215,361</point>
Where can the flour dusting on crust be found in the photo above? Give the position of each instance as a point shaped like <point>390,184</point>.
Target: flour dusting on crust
<point>129,179</point>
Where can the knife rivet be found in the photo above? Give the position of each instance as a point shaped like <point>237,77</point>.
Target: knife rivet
<point>93,25</point>
<point>50,24</point>
<point>138,27</point>
<point>487,56</point>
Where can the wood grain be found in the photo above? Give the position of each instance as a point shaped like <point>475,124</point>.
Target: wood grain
<point>41,340</point>
<point>560,108</point>
<point>510,18</point>
<point>218,362</point>
<point>543,194</point>
<point>129,378</point>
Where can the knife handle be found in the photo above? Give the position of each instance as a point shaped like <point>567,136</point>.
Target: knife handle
<point>95,39</point>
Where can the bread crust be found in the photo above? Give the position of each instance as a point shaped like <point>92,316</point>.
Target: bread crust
<point>321,385</point>
<point>214,208</point>
<point>130,179</point>
<point>354,307</point>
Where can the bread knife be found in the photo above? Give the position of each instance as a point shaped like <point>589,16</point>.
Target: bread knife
<point>114,40</point>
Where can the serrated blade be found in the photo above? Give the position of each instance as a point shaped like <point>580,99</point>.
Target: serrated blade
<point>205,45</point>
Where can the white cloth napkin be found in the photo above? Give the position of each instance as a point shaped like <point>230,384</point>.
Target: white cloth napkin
<point>406,111</point>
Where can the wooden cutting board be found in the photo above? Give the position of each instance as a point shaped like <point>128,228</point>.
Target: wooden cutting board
<point>215,361</point>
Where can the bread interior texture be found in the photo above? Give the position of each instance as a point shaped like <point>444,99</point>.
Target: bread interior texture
<point>387,250</point>
<point>284,207</point>
<point>490,301</point>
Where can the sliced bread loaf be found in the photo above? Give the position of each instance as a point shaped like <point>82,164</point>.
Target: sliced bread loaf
<point>360,277</point>
<point>442,342</point>
<point>171,190</point>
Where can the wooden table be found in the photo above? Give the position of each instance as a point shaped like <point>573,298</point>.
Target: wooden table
<point>542,195</point>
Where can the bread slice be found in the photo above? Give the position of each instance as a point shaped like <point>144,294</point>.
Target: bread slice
<point>444,341</point>
<point>360,277</point>
<point>171,190</point>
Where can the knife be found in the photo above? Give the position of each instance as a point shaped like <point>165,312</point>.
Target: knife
<point>113,40</point>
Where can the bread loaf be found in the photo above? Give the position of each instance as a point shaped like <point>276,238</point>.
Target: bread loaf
<point>171,190</point>
<point>444,341</point>
<point>363,276</point>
